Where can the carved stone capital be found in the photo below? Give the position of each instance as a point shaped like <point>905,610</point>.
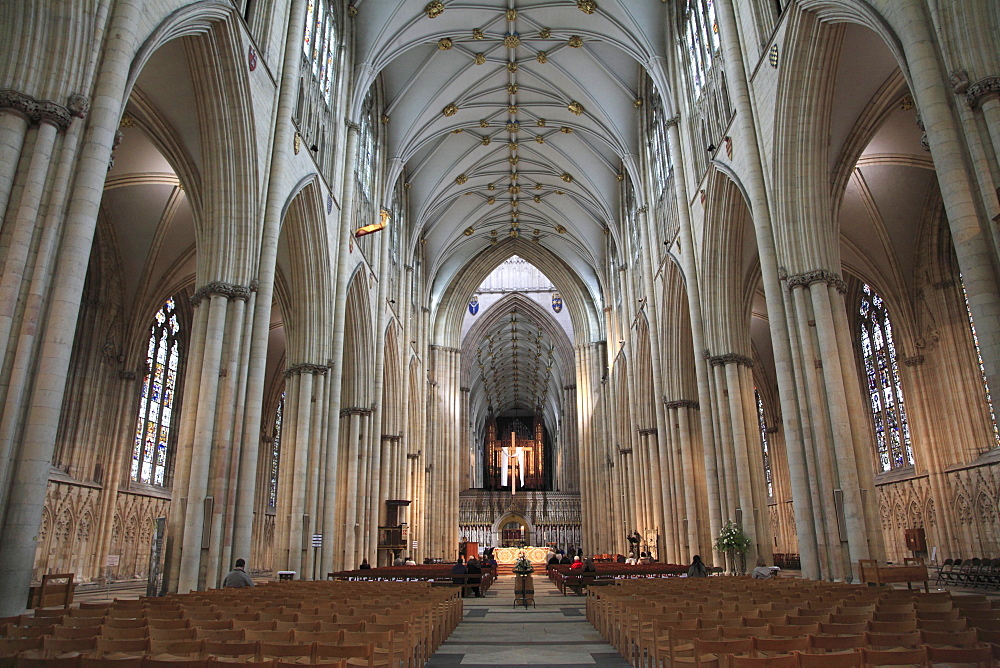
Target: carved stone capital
<point>355,410</point>
<point>299,369</point>
<point>37,111</point>
<point>946,283</point>
<point>649,431</point>
<point>127,375</point>
<point>569,387</point>
<point>982,89</point>
<point>681,403</point>
<point>624,451</point>
<point>731,358</point>
<point>351,125</point>
<point>672,121</point>
<point>392,438</point>
<point>916,360</point>
<point>817,276</point>
<point>222,289</point>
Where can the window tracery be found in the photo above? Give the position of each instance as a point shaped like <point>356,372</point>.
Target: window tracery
<point>764,445</point>
<point>982,367</point>
<point>885,392</point>
<point>156,403</point>
<point>272,489</point>
<point>317,82</point>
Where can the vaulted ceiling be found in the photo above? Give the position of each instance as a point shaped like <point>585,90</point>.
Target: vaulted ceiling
<point>511,117</point>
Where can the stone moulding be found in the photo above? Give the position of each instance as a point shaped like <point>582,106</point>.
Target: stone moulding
<point>731,358</point>
<point>223,289</point>
<point>298,369</point>
<point>816,276</point>
<point>44,111</point>
<point>681,403</point>
<point>982,89</point>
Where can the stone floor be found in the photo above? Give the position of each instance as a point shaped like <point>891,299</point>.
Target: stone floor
<point>554,632</point>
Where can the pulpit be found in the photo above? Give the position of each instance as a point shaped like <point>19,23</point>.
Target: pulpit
<point>470,550</point>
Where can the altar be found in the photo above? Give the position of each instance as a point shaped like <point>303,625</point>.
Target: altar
<point>508,555</point>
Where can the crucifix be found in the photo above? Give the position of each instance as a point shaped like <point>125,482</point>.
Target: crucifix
<point>512,456</point>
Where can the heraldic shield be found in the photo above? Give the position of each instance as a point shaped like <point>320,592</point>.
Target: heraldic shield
<point>474,305</point>
<point>556,302</point>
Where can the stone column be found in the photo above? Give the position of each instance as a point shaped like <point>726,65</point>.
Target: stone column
<point>780,326</point>
<point>690,268</point>
<point>246,489</point>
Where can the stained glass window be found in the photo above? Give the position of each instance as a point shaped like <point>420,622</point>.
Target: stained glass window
<point>319,43</point>
<point>764,447</point>
<point>702,35</point>
<point>982,368</point>
<point>885,392</point>
<point>272,490</point>
<point>156,403</point>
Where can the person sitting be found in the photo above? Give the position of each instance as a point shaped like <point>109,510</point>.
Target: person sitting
<point>697,568</point>
<point>364,565</point>
<point>645,558</point>
<point>565,559</point>
<point>631,561</point>
<point>409,562</point>
<point>554,560</point>
<point>762,571</point>
<point>577,564</point>
<point>458,572</point>
<point>398,561</point>
<point>475,572</point>
<point>238,578</point>
<point>588,566</point>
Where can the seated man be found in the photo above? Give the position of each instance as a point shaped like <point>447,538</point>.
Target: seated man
<point>459,571</point>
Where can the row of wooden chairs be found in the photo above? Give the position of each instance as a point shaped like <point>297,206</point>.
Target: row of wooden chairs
<point>921,656</point>
<point>403,623</point>
<point>643,627</point>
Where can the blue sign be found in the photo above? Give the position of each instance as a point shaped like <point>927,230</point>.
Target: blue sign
<point>474,306</point>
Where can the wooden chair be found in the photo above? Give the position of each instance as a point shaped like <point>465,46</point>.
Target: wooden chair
<point>713,652</point>
<point>843,629</point>
<point>893,627</point>
<point>125,646</point>
<point>172,634</point>
<point>362,655</point>
<point>176,647</point>
<point>820,644</point>
<point>942,625</point>
<point>124,623</point>
<point>980,656</point>
<point>280,650</point>
<point>909,640</point>
<point>267,636</point>
<point>63,645</point>
<point>793,630</point>
<point>894,657</point>
<point>157,662</point>
<point>779,646</point>
<point>157,623</point>
<point>680,643</point>
<point>34,659</point>
<point>839,660</point>
<point>115,661</point>
<point>212,624</point>
<point>82,622</point>
<point>231,650</point>
<point>967,638</point>
<point>780,661</point>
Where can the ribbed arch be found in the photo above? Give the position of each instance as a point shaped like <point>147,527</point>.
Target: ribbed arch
<point>308,317</point>
<point>727,245</point>
<point>359,353</point>
<point>582,307</point>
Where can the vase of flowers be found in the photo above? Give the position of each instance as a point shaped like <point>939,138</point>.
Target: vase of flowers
<point>522,566</point>
<point>734,544</point>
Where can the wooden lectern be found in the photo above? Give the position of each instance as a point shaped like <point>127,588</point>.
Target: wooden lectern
<point>471,550</point>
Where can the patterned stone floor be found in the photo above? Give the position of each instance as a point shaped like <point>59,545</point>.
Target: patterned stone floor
<point>555,632</point>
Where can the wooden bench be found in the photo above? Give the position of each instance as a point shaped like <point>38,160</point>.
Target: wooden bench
<point>913,571</point>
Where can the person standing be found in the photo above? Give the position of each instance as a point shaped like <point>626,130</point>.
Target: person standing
<point>762,571</point>
<point>238,578</point>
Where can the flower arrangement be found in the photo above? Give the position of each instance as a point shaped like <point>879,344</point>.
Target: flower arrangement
<point>735,544</point>
<point>522,566</point>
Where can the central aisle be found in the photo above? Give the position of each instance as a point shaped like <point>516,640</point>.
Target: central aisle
<point>554,632</point>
